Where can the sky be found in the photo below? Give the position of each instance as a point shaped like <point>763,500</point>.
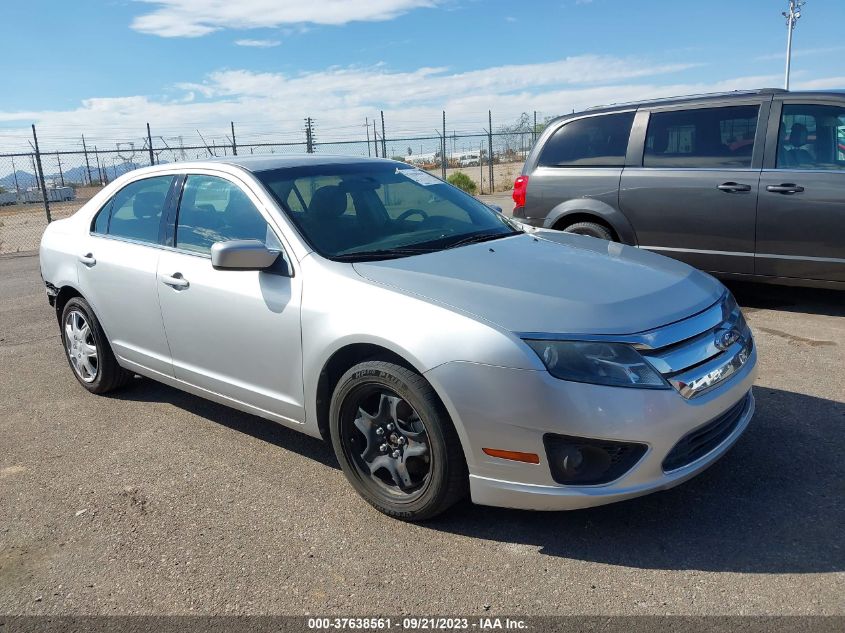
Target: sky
<point>105,68</point>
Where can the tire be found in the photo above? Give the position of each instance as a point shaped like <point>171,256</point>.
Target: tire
<point>592,229</point>
<point>81,331</point>
<point>436,475</point>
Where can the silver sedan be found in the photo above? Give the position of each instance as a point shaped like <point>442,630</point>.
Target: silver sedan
<point>441,348</point>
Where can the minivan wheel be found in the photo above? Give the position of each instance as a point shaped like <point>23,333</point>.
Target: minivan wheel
<point>590,228</point>
<point>395,442</point>
<point>87,349</point>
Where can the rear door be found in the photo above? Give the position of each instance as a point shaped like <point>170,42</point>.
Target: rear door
<point>117,272</point>
<point>801,215</point>
<point>691,192</point>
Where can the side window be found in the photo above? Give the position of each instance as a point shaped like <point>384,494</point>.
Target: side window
<point>811,137</point>
<point>213,210</point>
<point>135,211</point>
<point>703,137</point>
<point>597,141</point>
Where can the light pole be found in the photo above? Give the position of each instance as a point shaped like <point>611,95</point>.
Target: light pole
<point>791,18</point>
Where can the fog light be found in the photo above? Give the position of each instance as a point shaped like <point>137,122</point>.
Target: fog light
<point>585,461</point>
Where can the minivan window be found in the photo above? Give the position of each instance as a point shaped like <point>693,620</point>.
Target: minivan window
<point>596,141</point>
<point>811,136</point>
<point>702,137</point>
<point>213,210</point>
<point>135,211</point>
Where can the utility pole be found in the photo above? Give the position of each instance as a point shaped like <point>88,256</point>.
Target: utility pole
<point>61,174</point>
<point>443,148</point>
<point>383,139</point>
<point>41,176</point>
<point>234,142</point>
<point>490,148</point>
<point>309,135</point>
<point>791,16</point>
<point>375,138</point>
<point>367,125</point>
<point>87,164</point>
<point>15,174</point>
<point>150,142</point>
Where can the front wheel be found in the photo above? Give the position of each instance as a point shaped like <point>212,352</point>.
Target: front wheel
<point>395,442</point>
<point>593,229</point>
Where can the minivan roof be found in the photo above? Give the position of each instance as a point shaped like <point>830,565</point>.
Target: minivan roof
<point>710,96</point>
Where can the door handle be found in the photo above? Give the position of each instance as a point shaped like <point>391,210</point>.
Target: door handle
<point>786,187</point>
<point>175,281</point>
<point>733,187</point>
<point>88,259</point>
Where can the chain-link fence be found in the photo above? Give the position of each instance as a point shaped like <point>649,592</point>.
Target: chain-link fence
<point>50,183</point>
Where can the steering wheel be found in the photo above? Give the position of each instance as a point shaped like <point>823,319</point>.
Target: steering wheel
<point>407,214</point>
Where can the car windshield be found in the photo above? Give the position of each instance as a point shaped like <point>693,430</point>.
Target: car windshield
<point>368,211</point>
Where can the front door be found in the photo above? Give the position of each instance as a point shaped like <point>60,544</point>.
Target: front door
<point>801,216</point>
<point>695,196</point>
<point>234,333</point>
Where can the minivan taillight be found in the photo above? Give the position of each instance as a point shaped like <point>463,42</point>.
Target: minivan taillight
<point>520,189</point>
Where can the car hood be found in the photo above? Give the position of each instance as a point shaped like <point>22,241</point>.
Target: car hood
<point>553,282</point>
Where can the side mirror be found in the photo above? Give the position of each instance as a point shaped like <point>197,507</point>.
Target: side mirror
<point>495,207</point>
<point>242,255</point>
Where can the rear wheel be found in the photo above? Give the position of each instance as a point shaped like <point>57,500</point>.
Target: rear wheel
<point>395,442</point>
<point>87,350</point>
<point>593,229</point>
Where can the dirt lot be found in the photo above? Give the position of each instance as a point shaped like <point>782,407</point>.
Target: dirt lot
<point>156,502</point>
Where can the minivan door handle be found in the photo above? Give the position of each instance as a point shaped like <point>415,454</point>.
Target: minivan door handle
<point>88,259</point>
<point>176,281</point>
<point>786,187</point>
<point>733,187</point>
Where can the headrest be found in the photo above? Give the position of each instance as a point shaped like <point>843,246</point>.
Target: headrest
<point>798,135</point>
<point>328,202</point>
<point>147,204</point>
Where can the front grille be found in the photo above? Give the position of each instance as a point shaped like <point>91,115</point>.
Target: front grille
<point>693,355</point>
<point>704,439</point>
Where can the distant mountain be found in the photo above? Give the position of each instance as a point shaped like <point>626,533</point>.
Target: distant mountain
<point>72,176</point>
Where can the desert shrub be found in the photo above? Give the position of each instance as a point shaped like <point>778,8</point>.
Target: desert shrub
<point>462,181</point>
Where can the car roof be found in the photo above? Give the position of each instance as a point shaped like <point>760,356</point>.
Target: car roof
<point>265,163</point>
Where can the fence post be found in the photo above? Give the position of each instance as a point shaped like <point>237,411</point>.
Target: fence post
<point>490,148</point>
<point>234,142</point>
<point>443,148</point>
<point>87,164</point>
<point>383,138</point>
<point>41,176</point>
<point>150,142</point>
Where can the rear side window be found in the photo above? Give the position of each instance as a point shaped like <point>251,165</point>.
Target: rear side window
<point>812,136</point>
<point>703,137</point>
<point>135,211</point>
<point>597,141</point>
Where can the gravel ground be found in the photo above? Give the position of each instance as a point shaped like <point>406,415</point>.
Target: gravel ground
<point>151,501</point>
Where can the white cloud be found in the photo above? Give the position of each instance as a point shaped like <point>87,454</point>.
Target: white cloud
<point>195,18</point>
<point>271,106</point>
<point>801,52</point>
<point>258,43</point>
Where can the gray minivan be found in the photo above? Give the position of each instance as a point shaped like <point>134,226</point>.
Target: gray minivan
<point>741,184</point>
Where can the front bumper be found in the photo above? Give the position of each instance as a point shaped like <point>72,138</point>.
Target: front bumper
<point>497,407</point>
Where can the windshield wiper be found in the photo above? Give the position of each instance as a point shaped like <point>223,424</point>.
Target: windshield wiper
<point>480,237</point>
<point>387,253</point>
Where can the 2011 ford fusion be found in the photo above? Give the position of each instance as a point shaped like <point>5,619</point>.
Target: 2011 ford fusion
<point>442,348</point>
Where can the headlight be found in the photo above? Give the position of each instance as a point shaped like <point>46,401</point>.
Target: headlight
<point>614,364</point>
